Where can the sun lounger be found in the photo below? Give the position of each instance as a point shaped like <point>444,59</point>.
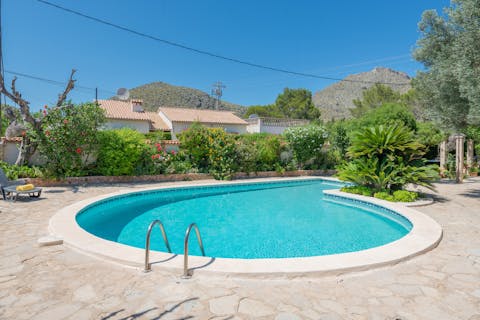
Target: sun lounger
<point>12,192</point>
<point>5,183</point>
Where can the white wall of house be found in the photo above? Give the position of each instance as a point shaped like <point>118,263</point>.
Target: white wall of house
<point>254,126</point>
<point>142,126</point>
<point>272,129</point>
<point>9,152</point>
<point>271,125</point>
<point>178,127</point>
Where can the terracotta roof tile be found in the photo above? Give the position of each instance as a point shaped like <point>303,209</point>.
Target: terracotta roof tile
<point>171,142</point>
<point>123,110</point>
<point>201,115</point>
<point>13,139</point>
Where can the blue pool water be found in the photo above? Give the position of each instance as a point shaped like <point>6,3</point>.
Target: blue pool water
<point>255,220</point>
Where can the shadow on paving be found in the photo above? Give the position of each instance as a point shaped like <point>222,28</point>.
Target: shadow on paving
<point>137,315</point>
<point>473,193</point>
<point>438,198</point>
<point>73,189</point>
<point>24,198</point>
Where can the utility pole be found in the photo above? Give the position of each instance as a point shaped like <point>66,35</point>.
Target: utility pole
<point>217,92</point>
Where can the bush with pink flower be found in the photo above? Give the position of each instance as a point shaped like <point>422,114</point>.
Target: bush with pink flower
<point>68,137</point>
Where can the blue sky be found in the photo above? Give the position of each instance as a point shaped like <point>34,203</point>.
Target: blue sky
<point>332,38</point>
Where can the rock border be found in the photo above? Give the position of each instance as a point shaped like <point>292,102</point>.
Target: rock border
<point>74,181</point>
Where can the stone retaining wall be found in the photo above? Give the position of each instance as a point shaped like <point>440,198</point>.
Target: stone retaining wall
<point>168,177</point>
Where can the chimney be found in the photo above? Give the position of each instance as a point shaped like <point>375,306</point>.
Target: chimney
<point>137,105</point>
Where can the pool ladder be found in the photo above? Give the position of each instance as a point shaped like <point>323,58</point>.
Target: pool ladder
<point>186,272</point>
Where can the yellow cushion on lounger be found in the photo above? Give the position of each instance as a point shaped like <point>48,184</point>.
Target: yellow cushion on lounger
<point>25,187</point>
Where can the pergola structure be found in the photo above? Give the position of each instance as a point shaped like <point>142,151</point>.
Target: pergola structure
<point>459,155</point>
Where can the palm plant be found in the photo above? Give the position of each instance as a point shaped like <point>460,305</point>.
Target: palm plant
<point>386,158</point>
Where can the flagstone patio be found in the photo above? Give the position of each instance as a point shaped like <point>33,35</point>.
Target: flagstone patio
<point>59,283</point>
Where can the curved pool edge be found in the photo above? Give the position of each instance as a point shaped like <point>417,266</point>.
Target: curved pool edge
<point>424,236</point>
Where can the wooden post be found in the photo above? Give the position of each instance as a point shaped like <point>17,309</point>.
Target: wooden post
<point>459,141</point>
<point>443,155</point>
<point>469,153</point>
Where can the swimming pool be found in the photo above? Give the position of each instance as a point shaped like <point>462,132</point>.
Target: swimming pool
<point>415,233</point>
<point>249,221</point>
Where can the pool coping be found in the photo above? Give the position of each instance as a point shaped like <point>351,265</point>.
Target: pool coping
<point>424,236</point>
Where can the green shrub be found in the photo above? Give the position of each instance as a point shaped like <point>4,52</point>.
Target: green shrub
<point>195,142</point>
<point>258,152</point>
<point>14,172</point>
<point>430,135</point>
<point>248,156</point>
<point>384,195</point>
<point>326,159</point>
<point>361,190</point>
<point>338,135</point>
<point>405,196</point>
<point>158,136</point>
<point>123,152</point>
<point>180,164</point>
<point>397,196</point>
<point>221,154</point>
<point>210,150</point>
<point>389,114</point>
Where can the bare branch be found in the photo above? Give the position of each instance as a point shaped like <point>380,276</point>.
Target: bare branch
<point>17,98</point>
<point>24,104</point>
<point>70,85</point>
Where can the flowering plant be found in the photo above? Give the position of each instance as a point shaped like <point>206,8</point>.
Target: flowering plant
<point>161,158</point>
<point>306,142</point>
<point>210,150</point>
<point>68,137</point>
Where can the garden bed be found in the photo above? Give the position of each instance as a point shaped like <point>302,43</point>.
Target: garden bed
<point>168,177</point>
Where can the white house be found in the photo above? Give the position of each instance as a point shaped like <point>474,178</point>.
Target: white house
<point>121,114</point>
<point>130,114</point>
<point>180,119</point>
<point>273,125</point>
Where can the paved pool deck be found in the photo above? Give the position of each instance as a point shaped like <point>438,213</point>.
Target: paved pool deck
<point>59,283</point>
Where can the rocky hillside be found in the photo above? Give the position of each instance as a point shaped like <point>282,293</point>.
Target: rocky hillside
<point>335,101</point>
<point>158,94</point>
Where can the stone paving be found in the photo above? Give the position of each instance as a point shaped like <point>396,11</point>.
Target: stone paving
<point>59,283</point>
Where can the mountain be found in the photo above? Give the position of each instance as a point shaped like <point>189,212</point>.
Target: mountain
<point>157,94</point>
<point>335,101</point>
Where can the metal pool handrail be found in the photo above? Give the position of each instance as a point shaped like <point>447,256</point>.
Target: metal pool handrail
<point>186,274</point>
<point>148,265</point>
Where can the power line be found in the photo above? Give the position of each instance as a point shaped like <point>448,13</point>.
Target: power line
<point>61,84</point>
<point>208,53</point>
<point>369,62</point>
<point>54,82</point>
